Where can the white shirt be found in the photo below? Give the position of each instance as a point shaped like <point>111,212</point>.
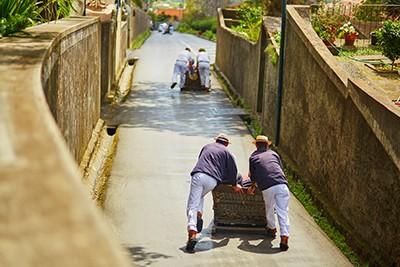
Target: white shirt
<point>203,57</point>
<point>185,56</point>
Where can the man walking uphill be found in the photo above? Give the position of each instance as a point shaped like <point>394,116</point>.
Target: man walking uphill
<point>215,165</point>
<point>266,170</point>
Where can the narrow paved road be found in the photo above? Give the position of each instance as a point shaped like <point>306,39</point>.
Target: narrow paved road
<point>161,134</point>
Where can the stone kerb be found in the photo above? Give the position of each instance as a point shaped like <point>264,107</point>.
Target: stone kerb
<point>48,219</point>
<point>343,140</point>
<point>238,60</point>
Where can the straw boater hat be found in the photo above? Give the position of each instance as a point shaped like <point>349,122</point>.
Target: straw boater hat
<point>262,139</point>
<point>222,137</point>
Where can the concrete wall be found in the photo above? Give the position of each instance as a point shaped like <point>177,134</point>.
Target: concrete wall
<point>337,132</point>
<point>123,45</point>
<point>71,89</point>
<point>139,23</point>
<point>239,60</point>
<point>270,79</point>
<point>47,217</point>
<point>107,56</point>
<point>344,140</point>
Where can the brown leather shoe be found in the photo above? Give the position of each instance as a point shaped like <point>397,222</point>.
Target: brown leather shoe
<point>191,243</point>
<point>284,243</point>
<point>271,232</point>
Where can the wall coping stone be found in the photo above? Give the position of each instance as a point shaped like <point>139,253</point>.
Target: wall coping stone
<point>223,26</point>
<point>48,218</point>
<point>318,49</point>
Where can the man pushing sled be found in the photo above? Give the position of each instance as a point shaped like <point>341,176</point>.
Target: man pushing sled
<point>189,72</point>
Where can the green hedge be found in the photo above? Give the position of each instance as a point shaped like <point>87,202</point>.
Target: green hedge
<point>206,27</point>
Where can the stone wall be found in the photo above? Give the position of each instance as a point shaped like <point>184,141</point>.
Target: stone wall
<point>140,22</point>
<point>344,139</point>
<point>71,89</point>
<point>107,56</point>
<point>47,217</point>
<point>270,81</point>
<point>238,60</point>
<point>123,45</point>
<point>337,132</point>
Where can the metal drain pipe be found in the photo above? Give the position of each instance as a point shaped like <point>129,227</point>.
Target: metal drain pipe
<point>280,75</point>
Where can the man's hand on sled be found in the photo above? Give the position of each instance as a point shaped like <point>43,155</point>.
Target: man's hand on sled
<point>237,188</point>
<point>252,189</point>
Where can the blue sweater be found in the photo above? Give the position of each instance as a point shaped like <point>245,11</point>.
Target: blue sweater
<point>216,161</point>
<point>266,169</point>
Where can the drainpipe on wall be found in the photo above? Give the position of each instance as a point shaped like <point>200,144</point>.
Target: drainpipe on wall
<point>280,75</point>
<point>118,37</point>
<point>84,7</point>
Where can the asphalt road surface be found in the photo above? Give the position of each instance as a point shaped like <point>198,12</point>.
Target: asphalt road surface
<point>161,134</point>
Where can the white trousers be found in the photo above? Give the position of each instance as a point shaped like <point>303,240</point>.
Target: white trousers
<point>200,185</point>
<point>277,197</point>
<point>204,73</point>
<point>180,70</point>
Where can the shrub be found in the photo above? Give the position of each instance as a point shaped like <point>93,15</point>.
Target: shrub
<point>389,40</point>
<point>326,23</point>
<point>15,15</point>
<point>206,27</point>
<point>210,35</point>
<point>55,9</point>
<point>205,24</point>
<point>250,21</point>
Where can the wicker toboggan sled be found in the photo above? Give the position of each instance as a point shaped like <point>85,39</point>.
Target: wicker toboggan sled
<point>235,211</point>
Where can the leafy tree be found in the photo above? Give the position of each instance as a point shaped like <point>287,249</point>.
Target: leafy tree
<point>389,40</point>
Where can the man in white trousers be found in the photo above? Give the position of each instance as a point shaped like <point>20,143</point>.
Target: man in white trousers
<point>203,65</point>
<point>215,165</point>
<point>181,67</point>
<point>266,170</point>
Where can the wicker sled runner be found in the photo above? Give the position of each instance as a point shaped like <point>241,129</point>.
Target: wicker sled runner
<point>238,210</point>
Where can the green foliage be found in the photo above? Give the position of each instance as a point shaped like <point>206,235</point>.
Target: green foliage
<point>207,24</point>
<point>389,39</point>
<point>139,41</point>
<point>55,9</point>
<point>368,11</point>
<point>16,15</point>
<point>273,56</point>
<point>210,35</point>
<point>138,3</point>
<point>326,23</point>
<point>250,20</point>
<point>359,52</point>
<point>206,27</point>
<point>277,37</point>
<point>160,18</point>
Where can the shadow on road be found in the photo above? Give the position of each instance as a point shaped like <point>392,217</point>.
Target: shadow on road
<point>254,243</point>
<point>143,258</point>
<point>191,113</point>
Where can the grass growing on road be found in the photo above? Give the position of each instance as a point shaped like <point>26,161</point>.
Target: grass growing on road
<point>139,41</point>
<point>297,187</point>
